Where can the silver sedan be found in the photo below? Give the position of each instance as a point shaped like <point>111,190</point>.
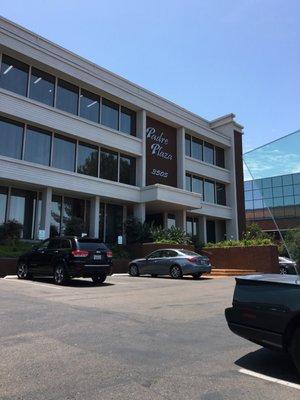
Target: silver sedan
<point>173,262</point>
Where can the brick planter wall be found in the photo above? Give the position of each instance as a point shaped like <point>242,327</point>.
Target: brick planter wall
<point>259,258</point>
<point>8,266</point>
<point>120,266</point>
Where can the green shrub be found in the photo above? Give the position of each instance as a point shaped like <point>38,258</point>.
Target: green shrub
<point>240,243</point>
<point>10,231</point>
<point>172,235</point>
<point>120,252</point>
<point>254,231</point>
<point>137,231</point>
<point>292,240</point>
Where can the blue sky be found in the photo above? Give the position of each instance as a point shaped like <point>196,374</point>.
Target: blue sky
<point>212,57</point>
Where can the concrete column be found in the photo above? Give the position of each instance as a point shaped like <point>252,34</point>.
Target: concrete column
<point>94,217</point>
<point>46,211</point>
<point>180,217</point>
<point>139,211</point>
<point>181,158</point>
<point>202,229</point>
<point>141,161</point>
<point>165,217</point>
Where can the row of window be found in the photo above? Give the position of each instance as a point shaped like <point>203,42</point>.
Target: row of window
<point>211,191</point>
<point>48,89</point>
<point>278,191</point>
<point>32,144</point>
<point>204,151</point>
<point>272,202</point>
<point>276,212</point>
<point>275,181</point>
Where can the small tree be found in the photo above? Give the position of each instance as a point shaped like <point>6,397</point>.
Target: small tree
<point>254,231</point>
<point>137,231</point>
<point>292,240</point>
<point>75,227</point>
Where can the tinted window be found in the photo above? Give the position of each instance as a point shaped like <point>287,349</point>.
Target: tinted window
<point>89,106</point>
<point>188,145</point>
<point>42,86</point>
<point>188,183</point>
<point>109,165</point>
<point>89,244</point>
<point>65,244</point>
<point>3,200</point>
<point>110,114</point>
<point>11,138</point>
<point>14,75</point>
<point>155,254</point>
<point>208,153</point>
<point>189,253</point>
<point>209,191</point>
<point>67,97</point>
<point>287,180</point>
<point>87,162</point>
<point>128,121</point>
<point>54,244</point>
<point>197,149</point>
<point>221,194</point>
<point>127,170</point>
<point>197,185</point>
<point>44,245</point>
<point>37,146</point>
<point>220,157</point>
<point>170,253</point>
<point>63,153</point>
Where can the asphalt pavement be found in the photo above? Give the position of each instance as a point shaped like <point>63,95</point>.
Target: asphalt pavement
<point>131,339</point>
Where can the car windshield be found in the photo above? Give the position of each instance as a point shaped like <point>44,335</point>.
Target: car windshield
<point>189,253</point>
<point>90,244</point>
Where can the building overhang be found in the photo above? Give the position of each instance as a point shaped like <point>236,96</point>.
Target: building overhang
<point>166,197</point>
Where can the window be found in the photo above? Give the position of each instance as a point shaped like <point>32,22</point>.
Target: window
<point>197,149</point>
<point>14,75</point>
<point>296,178</point>
<point>37,146</point>
<point>128,121</point>
<point>197,185</point>
<point>72,208</point>
<point>297,189</point>
<point>277,191</point>
<point>191,228</point>
<point>248,195</point>
<point>257,194</point>
<point>42,87</point>
<point>208,153</point>
<point>220,157</point>
<point>55,216</point>
<point>288,190</point>
<point>54,244</point>
<point>87,162</point>
<point>249,205</point>
<point>67,97</point>
<point>289,201</point>
<point>171,221</point>
<point>221,194</point>
<point>266,193</point>
<point>110,114</point>
<point>188,183</point>
<point>89,106</point>
<point>265,183</point>
<point>44,245</point>
<point>248,185</point>
<point>278,202</point>
<point>276,181</point>
<point>65,244</point>
<point>127,169</point>
<point>11,138</point>
<point>155,254</point>
<point>63,153</point>
<point>209,191</point>
<point>109,165</point>
<point>287,180</point>
<point>188,145</point>
<point>22,209</point>
<point>3,201</point>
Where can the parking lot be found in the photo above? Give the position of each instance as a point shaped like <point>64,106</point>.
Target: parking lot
<point>131,338</point>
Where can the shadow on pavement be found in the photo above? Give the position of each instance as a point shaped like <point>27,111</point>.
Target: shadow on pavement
<point>73,282</point>
<point>273,364</point>
<point>184,278</point>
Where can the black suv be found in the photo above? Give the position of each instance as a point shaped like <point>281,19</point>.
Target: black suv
<point>67,257</point>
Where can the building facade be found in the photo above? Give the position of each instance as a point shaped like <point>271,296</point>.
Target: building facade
<point>79,141</point>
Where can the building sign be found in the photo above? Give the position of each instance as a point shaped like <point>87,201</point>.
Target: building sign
<point>161,148</point>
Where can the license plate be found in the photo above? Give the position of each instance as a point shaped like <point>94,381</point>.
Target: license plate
<point>97,257</point>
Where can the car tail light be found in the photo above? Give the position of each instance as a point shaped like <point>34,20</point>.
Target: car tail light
<point>192,259</point>
<point>80,253</point>
<point>109,254</point>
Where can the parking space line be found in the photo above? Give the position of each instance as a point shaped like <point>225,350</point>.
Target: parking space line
<point>269,378</point>
<point>34,283</point>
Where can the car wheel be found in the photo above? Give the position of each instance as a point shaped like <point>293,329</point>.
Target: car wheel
<point>175,272</point>
<point>283,271</point>
<point>295,349</point>
<point>197,276</point>
<point>60,275</point>
<point>98,279</point>
<point>133,270</point>
<point>22,271</point>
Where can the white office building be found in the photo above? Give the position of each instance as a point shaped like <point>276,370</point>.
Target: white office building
<point>79,141</point>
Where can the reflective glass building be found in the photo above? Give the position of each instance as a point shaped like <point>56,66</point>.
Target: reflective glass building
<point>272,190</point>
